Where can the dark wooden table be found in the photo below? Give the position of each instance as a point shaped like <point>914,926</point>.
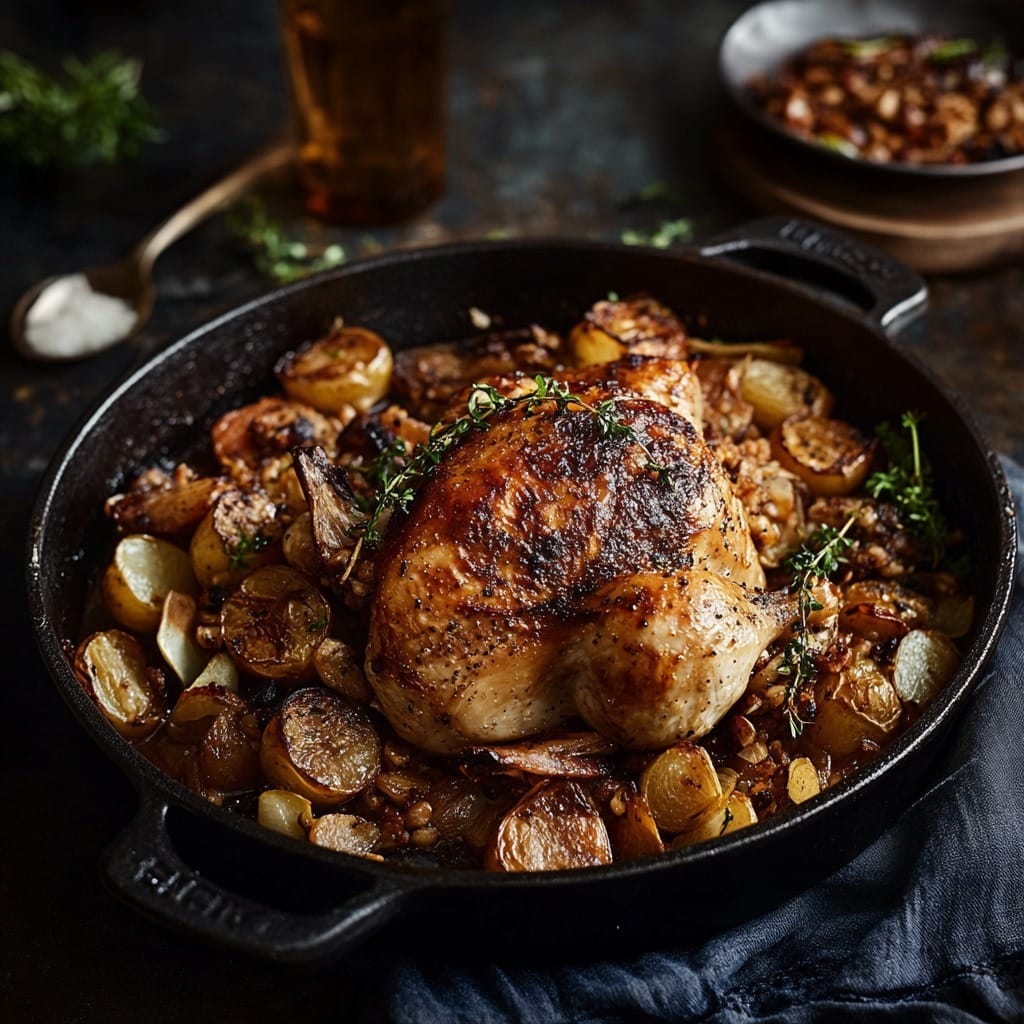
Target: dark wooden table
<point>560,113</point>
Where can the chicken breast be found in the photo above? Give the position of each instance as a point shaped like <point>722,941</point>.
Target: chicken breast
<point>546,571</point>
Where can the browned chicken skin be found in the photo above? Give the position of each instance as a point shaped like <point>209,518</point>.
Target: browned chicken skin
<point>546,572</point>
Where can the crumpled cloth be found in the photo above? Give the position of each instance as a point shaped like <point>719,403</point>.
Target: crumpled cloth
<point>926,925</point>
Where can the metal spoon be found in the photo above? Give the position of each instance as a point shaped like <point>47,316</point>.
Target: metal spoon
<point>131,279</point>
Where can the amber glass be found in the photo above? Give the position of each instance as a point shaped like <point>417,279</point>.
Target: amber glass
<point>368,86</point>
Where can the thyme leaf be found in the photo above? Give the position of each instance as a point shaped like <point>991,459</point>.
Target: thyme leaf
<point>815,561</point>
<point>397,471</point>
<point>907,484</point>
<point>245,545</point>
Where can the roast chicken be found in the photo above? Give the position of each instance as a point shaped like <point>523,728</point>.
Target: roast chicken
<point>546,573</point>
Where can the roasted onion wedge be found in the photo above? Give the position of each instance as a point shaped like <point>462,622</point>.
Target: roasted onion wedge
<point>554,826</point>
<point>176,640</point>
<point>283,811</point>
<point>112,668</point>
<point>730,815</point>
<point>143,571</point>
<point>273,623</point>
<point>925,661</point>
<point>830,456</point>
<point>572,756</point>
<point>171,510</point>
<point>349,369</point>
<point>632,830</point>
<point>320,746</point>
<point>681,786</point>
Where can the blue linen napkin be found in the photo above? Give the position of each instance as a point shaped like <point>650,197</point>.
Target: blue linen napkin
<point>926,925</point>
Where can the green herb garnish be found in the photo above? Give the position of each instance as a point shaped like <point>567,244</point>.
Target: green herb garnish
<point>397,472</point>
<point>246,545</point>
<point>668,233</point>
<point>837,144</point>
<point>94,114</point>
<point>275,255</point>
<point>865,49</point>
<point>907,485</point>
<point>952,49</point>
<point>811,563</point>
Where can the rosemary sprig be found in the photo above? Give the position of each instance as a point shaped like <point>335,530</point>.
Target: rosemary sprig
<point>397,472</point>
<point>906,483</point>
<point>94,113</point>
<point>811,563</point>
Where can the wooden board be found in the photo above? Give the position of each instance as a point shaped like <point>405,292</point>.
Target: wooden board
<point>937,225</point>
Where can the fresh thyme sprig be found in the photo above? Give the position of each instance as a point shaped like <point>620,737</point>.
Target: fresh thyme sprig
<point>94,113</point>
<point>810,564</point>
<point>906,483</point>
<point>274,254</point>
<point>397,472</point>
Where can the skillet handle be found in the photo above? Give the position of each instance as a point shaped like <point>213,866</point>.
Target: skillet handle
<point>887,291</point>
<point>145,870</point>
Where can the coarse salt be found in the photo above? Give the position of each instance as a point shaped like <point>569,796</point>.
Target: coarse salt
<point>70,319</point>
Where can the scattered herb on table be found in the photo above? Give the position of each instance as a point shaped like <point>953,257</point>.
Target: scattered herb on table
<point>670,232</point>
<point>275,255</point>
<point>94,113</point>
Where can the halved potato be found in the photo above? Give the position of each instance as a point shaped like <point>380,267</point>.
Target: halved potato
<point>111,666</point>
<point>143,571</point>
<point>925,661</point>
<point>196,709</point>
<point>273,623</point>
<point>340,670</point>
<point>681,786</point>
<point>777,391</point>
<point>637,325</point>
<point>298,545</point>
<point>830,456</point>
<point>229,752</point>
<point>859,703</point>
<point>240,533</point>
<point>554,826</point>
<point>349,368</point>
<point>320,746</point>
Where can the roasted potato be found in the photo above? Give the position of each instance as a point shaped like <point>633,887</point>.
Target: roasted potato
<point>320,746</point>
<point>342,373</point>
<point>240,533</point>
<point>830,456</point>
<point>777,391</point>
<point>143,571</point>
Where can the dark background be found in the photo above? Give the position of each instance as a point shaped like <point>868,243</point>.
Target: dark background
<point>559,113</point>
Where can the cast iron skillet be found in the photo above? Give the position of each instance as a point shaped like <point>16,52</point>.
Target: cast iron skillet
<point>762,39</point>
<point>222,878</point>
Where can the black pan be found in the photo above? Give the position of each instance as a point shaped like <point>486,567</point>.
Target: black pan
<point>225,879</point>
<point>766,35</point>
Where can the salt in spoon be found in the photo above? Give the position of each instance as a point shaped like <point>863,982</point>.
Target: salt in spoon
<point>122,291</point>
